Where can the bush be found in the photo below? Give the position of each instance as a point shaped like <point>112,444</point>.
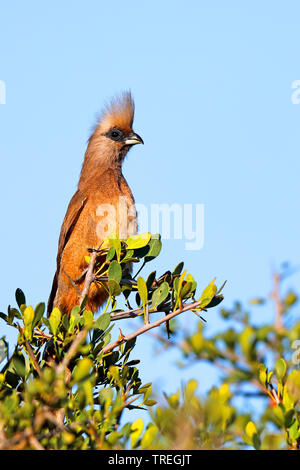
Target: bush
<point>66,384</point>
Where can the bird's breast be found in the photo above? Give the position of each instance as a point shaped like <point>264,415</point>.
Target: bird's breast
<point>118,216</point>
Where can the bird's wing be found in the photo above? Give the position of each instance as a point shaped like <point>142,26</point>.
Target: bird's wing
<point>74,210</point>
<point>76,205</point>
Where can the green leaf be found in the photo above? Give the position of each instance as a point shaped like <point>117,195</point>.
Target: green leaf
<point>54,320</point>
<point>88,318</point>
<point>269,376</point>
<point>82,369</point>
<point>12,313</point>
<point>18,364</point>
<point>116,244</point>
<point>114,287</point>
<point>280,369</point>
<point>177,287</point>
<point>28,316</point>
<point>250,429</point>
<point>251,433</point>
<point>4,317</point>
<point>102,322</point>
<point>65,322</point>
<point>293,385</point>
<point>246,340</point>
<point>150,279</point>
<point>38,313</point>
<point>262,374</point>
<point>186,289</point>
<point>290,299</point>
<point>150,402</point>
<point>289,418</point>
<point>189,278</point>
<point>178,268</point>
<point>115,271</point>
<point>140,253</point>
<point>190,388</point>
<point>215,301</point>
<point>137,429</point>
<point>208,294</point>
<point>197,342</point>
<point>74,318</point>
<point>294,431</point>
<point>148,437</point>
<point>110,254</point>
<point>257,301</point>
<point>128,255</point>
<point>160,294</point>
<point>20,297</point>
<point>143,291</point>
<point>147,393</point>
<point>129,345</point>
<point>155,248</point>
<point>114,374</point>
<point>173,399</point>
<point>138,241</point>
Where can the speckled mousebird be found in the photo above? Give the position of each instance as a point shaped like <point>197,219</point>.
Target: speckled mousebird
<point>101,183</point>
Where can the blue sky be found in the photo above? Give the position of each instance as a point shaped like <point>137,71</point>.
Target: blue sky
<point>212,82</point>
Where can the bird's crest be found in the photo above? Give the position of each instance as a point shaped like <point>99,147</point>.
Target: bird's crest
<point>119,112</point>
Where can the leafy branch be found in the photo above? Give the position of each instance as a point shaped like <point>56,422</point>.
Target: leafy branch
<point>66,369</point>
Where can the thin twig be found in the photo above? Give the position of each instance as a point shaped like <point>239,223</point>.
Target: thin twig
<point>135,312</point>
<point>129,282</point>
<point>33,358</point>
<point>89,277</point>
<point>147,314</point>
<point>35,443</point>
<point>149,326</point>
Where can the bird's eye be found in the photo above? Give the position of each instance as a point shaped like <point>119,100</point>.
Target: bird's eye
<point>115,134</point>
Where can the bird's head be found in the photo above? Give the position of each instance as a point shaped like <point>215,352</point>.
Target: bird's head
<point>113,135</point>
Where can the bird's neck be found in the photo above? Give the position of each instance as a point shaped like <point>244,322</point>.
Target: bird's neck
<point>95,164</point>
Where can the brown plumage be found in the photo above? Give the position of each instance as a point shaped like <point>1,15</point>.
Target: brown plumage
<point>101,182</point>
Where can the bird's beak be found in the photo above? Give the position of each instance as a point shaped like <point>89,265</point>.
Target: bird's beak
<point>133,139</point>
